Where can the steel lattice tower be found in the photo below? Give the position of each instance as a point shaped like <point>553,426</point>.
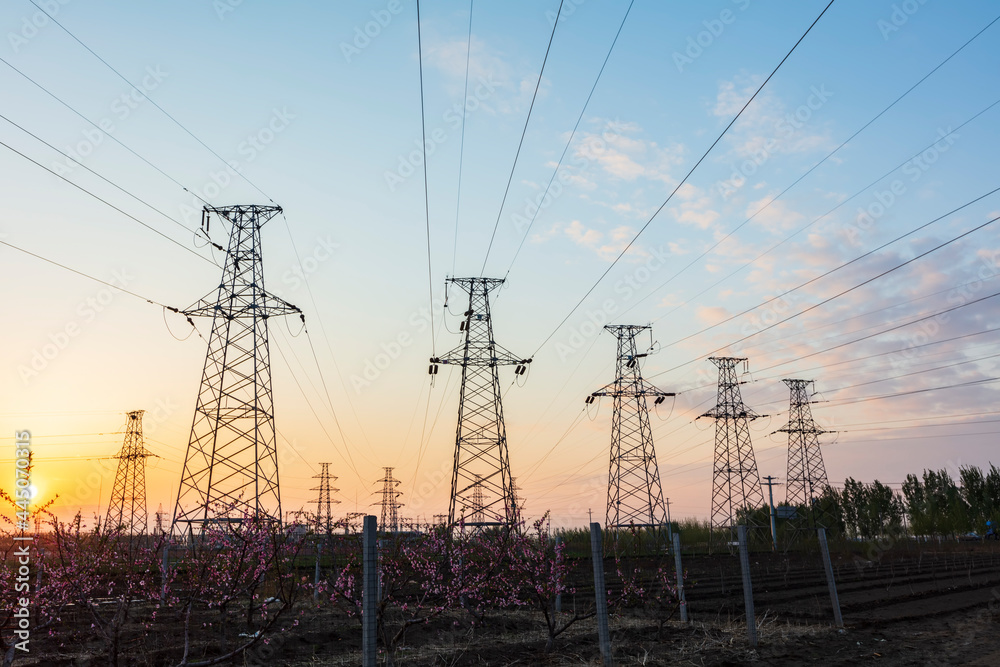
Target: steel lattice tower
<point>478,501</point>
<point>735,481</point>
<point>127,511</point>
<point>390,504</point>
<point>325,500</point>
<point>231,465</point>
<point>806,479</point>
<point>481,438</point>
<point>635,496</point>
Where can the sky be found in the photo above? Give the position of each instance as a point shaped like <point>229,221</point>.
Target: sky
<point>318,105</point>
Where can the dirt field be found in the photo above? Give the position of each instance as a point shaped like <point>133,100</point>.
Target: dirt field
<point>914,605</point>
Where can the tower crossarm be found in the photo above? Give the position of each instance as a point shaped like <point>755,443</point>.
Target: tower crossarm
<point>640,388</point>
<point>470,356</point>
<point>264,305</point>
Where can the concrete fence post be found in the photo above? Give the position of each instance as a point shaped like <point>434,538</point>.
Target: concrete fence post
<point>369,620</point>
<point>830,581</point>
<point>747,586</point>
<point>600,593</point>
<point>680,578</point>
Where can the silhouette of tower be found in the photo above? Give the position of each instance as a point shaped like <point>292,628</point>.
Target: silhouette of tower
<point>324,501</point>
<point>231,465</point>
<point>478,518</point>
<point>736,486</point>
<point>481,437</point>
<point>127,511</point>
<point>806,479</point>
<point>635,496</point>
<point>159,519</point>
<point>390,502</point>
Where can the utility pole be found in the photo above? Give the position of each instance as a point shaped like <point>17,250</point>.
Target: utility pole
<point>324,501</point>
<point>774,526</point>
<point>481,437</point>
<point>231,464</point>
<point>736,489</point>
<point>806,471</point>
<point>390,503</point>
<point>635,496</point>
<point>127,510</point>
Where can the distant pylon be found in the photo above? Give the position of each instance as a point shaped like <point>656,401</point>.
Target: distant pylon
<point>159,519</point>
<point>518,500</point>
<point>325,500</point>
<point>806,480</point>
<point>635,496</point>
<point>477,517</point>
<point>736,486</point>
<point>127,511</point>
<point>481,437</point>
<point>390,502</point>
<point>231,465</point>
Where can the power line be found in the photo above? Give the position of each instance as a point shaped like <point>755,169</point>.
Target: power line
<point>151,101</point>
<point>571,136</point>
<point>864,399</point>
<point>831,154</point>
<point>872,312</point>
<point>87,276</point>
<point>796,232</point>
<point>461,149</point>
<point>106,202</point>
<point>427,211</point>
<point>682,181</point>
<point>520,143</point>
<point>96,126</point>
<point>904,375</point>
<point>842,293</point>
<point>111,183</point>
<point>885,331</point>
<point>837,268</point>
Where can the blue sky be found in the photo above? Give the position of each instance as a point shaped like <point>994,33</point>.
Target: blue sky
<point>327,125</point>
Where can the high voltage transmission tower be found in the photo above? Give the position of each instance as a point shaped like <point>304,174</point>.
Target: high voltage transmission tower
<point>231,465</point>
<point>127,511</point>
<point>806,481</point>
<point>478,501</point>
<point>390,502</point>
<point>481,438</point>
<point>324,500</point>
<point>736,489</point>
<point>635,496</point>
